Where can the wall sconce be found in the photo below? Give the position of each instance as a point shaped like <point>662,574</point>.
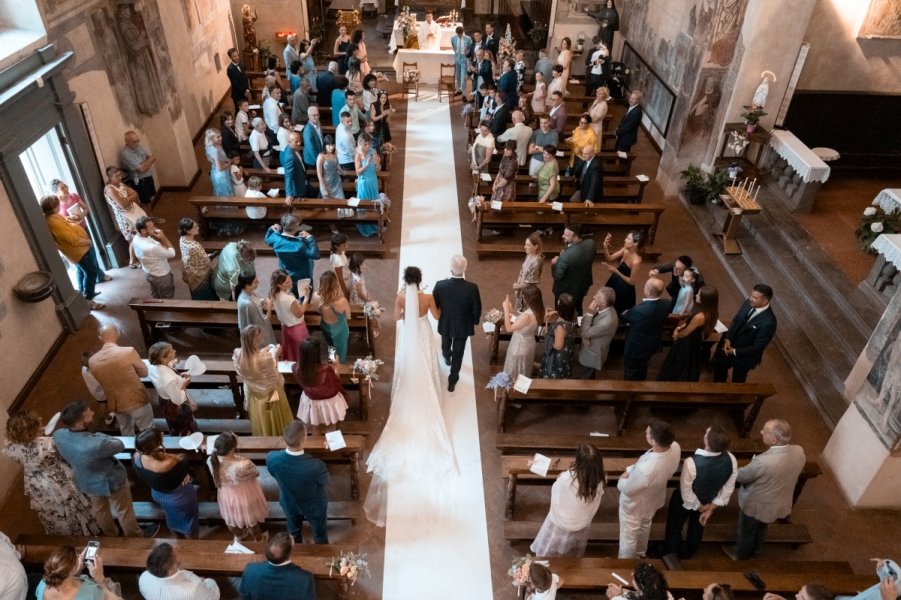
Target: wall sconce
<point>283,35</point>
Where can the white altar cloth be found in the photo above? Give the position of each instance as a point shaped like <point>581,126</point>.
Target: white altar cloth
<point>888,199</point>
<point>429,62</point>
<point>444,35</point>
<point>801,158</point>
<point>889,246</point>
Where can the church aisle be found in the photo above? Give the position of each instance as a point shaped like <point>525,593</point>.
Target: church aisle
<point>454,542</point>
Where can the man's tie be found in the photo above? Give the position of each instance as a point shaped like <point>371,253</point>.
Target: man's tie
<point>750,314</point>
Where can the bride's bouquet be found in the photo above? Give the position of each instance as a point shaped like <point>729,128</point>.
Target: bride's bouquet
<point>349,565</point>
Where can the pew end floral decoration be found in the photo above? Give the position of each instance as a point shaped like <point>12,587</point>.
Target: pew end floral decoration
<point>349,565</point>
<point>367,367</point>
<point>372,310</point>
<point>493,316</point>
<point>874,222</point>
<point>519,571</point>
<point>500,381</point>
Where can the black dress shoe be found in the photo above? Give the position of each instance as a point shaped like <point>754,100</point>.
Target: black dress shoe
<point>447,360</point>
<point>451,385</point>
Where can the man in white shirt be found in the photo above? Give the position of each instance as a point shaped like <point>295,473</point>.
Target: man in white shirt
<point>595,64</point>
<point>642,488</point>
<point>357,118</point>
<point>345,146</point>
<point>165,580</point>
<point>290,54</point>
<point>153,249</point>
<point>272,112</point>
<point>707,481</point>
<point>13,581</point>
<point>521,133</point>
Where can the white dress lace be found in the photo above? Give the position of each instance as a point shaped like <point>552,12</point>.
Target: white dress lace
<point>414,444</point>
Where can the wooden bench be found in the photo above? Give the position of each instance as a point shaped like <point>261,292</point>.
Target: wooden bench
<point>784,578</point>
<point>204,557</point>
<point>516,470</point>
<point>240,427</point>
<point>644,217</point>
<point>325,247</point>
<point>209,511</point>
<point>722,533</point>
<point>742,400</point>
<point>622,190</point>
<point>348,179</point>
<point>630,446</point>
<point>255,448</point>
<point>613,164</point>
<point>220,313</point>
<point>312,211</point>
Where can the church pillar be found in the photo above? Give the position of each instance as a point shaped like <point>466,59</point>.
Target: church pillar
<point>722,87</point>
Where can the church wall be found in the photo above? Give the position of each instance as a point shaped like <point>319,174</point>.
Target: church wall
<point>841,61</point>
<point>276,15</point>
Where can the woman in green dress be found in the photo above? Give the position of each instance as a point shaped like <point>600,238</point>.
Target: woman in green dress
<point>335,311</point>
<point>264,387</point>
<point>548,186</point>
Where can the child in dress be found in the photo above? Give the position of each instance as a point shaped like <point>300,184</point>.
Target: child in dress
<point>520,67</point>
<point>237,174</point>
<point>241,501</point>
<point>358,292</point>
<point>338,260</point>
<point>254,190</point>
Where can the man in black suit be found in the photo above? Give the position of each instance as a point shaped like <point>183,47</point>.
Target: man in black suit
<point>491,41</point>
<point>643,339</point>
<point>277,576</point>
<point>508,83</point>
<point>589,172</point>
<point>501,117</point>
<point>627,132</point>
<point>483,73</point>
<point>741,348</point>
<point>461,309</point>
<point>325,83</point>
<point>240,85</point>
<point>572,269</point>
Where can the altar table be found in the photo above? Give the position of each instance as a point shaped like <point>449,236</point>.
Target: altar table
<point>429,62</point>
<point>444,35</point>
<point>889,199</point>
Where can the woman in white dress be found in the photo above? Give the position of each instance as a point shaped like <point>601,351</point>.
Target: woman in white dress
<point>598,111</point>
<point>414,444</point>
<point>565,59</point>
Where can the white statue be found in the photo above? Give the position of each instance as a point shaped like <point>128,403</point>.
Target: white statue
<point>763,89</point>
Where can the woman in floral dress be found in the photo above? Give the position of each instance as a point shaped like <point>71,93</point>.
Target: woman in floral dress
<point>197,268</point>
<point>61,507</point>
<point>126,208</point>
<point>558,344</point>
<point>505,182</point>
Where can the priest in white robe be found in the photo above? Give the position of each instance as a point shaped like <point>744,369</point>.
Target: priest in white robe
<point>429,34</point>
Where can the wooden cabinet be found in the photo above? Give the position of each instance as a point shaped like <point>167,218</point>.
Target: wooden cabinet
<point>749,158</point>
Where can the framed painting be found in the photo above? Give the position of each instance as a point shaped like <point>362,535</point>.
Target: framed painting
<point>659,98</point>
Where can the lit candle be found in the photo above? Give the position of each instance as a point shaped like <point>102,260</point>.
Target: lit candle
<point>756,192</point>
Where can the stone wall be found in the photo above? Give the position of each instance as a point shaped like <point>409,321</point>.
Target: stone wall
<point>273,16</point>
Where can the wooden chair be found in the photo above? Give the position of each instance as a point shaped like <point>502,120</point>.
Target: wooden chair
<point>410,86</point>
<point>446,82</point>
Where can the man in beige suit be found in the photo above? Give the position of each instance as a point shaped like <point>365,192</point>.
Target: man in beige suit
<point>768,485</point>
<point>119,369</point>
<point>598,328</point>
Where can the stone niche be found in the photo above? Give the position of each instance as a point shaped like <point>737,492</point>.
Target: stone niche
<point>864,451</point>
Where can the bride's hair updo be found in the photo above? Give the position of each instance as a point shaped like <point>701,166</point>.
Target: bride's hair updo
<point>413,276</point>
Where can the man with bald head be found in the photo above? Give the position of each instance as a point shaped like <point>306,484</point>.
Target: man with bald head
<point>118,370</point>
<point>295,174</point>
<point>768,487</point>
<point>590,174</point>
<point>643,339</point>
<point>138,163</point>
<point>461,309</point>
<point>521,134</point>
<point>290,54</point>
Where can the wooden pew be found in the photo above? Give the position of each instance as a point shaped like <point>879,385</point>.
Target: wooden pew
<point>626,565</point>
<point>742,400</point>
<point>256,447</point>
<point>204,557</point>
<point>613,164</point>
<point>644,217</point>
<point>209,511</point>
<point>240,426</point>
<point>219,313</point>
<point>323,211</point>
<point>348,179</point>
<point>516,470</point>
<point>622,190</point>
<point>325,247</point>
<point>633,446</point>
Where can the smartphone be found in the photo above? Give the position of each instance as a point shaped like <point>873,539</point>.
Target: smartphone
<point>91,551</point>
<point>332,354</point>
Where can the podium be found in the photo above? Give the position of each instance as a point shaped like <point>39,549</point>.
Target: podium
<point>739,203</point>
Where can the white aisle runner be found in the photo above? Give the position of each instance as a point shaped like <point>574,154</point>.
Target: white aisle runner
<point>450,552</point>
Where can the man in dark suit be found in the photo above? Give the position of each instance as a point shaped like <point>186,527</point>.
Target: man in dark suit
<point>557,114</point>
<point>295,175</point>
<point>741,348</point>
<point>325,83</point>
<point>313,140</point>
<point>461,309</point>
<point>491,41</point>
<point>643,339</point>
<point>483,73</point>
<point>240,86</point>
<point>500,118</point>
<point>508,83</point>
<point>572,269</point>
<point>302,485</point>
<point>589,172</point>
<point>277,577</point>
<point>627,132</point>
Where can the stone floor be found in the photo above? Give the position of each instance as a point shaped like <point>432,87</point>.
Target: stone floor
<point>839,533</point>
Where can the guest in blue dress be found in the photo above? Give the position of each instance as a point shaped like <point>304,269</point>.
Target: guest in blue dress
<point>338,98</point>
<point>327,170</point>
<point>335,311</point>
<point>220,167</point>
<point>367,162</point>
<point>306,59</point>
<point>294,75</point>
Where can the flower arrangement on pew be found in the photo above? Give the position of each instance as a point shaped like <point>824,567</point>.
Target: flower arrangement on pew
<point>519,571</point>
<point>367,367</point>
<point>500,381</point>
<point>349,565</point>
<point>373,311</point>
<point>874,222</point>
<point>493,316</point>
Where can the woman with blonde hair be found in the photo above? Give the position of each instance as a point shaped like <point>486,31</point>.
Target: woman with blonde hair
<point>264,387</point>
<point>335,311</point>
<point>220,166</point>
<point>597,111</point>
<point>241,501</point>
<point>290,311</point>
<point>530,272</point>
<point>565,59</point>
<point>520,358</point>
<point>62,579</point>
<point>235,258</point>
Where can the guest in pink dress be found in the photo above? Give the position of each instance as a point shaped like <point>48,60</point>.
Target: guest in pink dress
<point>322,403</point>
<point>242,504</point>
<point>539,96</point>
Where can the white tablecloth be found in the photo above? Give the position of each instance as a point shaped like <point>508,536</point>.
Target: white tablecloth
<point>802,159</point>
<point>889,199</point>
<point>429,62</point>
<point>444,35</point>
<point>889,245</point>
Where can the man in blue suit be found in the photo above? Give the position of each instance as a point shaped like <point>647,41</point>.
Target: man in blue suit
<point>508,83</point>
<point>627,132</point>
<point>302,485</point>
<point>277,577</point>
<point>462,45</point>
<point>295,248</point>
<point>312,138</point>
<point>643,339</point>
<point>295,176</point>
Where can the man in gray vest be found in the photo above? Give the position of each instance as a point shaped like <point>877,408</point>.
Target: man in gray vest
<point>707,481</point>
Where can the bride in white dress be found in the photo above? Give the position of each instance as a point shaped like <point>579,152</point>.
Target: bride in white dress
<point>414,445</point>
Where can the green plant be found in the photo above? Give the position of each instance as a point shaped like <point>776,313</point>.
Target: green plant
<point>695,188</point>
<point>752,114</point>
<point>716,184</point>
<point>538,34</point>
<point>874,222</point>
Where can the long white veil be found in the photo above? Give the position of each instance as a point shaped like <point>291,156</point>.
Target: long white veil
<point>414,444</point>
